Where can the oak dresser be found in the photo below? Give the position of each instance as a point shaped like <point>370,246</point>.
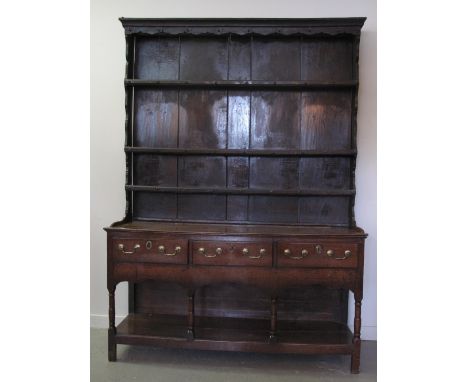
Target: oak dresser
<point>240,143</point>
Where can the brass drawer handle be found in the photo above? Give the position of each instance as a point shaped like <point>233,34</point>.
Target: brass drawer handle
<point>304,253</point>
<point>331,253</point>
<point>162,250</point>
<point>262,252</point>
<point>135,248</point>
<point>202,251</point>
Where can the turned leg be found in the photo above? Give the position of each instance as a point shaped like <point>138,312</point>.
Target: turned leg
<point>356,356</point>
<point>190,316</point>
<point>111,345</point>
<point>273,320</point>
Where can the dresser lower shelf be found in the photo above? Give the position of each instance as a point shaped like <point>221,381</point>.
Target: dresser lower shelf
<point>236,334</point>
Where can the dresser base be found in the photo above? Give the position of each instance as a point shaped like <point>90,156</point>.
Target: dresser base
<point>243,276</point>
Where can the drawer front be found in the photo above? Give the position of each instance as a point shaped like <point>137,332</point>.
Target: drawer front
<point>317,254</point>
<point>152,250</point>
<point>229,253</point>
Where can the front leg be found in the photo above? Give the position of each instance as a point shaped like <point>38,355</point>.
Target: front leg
<point>356,356</point>
<point>273,320</point>
<point>111,344</point>
<point>190,315</point>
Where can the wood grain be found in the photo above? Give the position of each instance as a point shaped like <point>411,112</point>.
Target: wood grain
<point>326,120</point>
<point>203,59</point>
<point>275,120</point>
<point>275,59</point>
<point>203,119</point>
<point>157,58</point>
<point>156,118</point>
<point>326,59</point>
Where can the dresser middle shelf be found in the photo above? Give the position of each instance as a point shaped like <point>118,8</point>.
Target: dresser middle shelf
<point>242,152</point>
<point>241,191</point>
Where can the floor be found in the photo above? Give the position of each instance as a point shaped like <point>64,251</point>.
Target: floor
<point>135,363</point>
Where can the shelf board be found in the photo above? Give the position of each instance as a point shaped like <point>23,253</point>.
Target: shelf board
<point>232,84</point>
<point>235,334</point>
<point>241,152</point>
<point>248,229</point>
<point>240,191</point>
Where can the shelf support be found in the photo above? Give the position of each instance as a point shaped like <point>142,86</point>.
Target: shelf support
<point>356,356</point>
<point>273,320</point>
<point>241,191</point>
<point>190,315</point>
<point>242,152</point>
<point>111,344</point>
<point>234,84</point>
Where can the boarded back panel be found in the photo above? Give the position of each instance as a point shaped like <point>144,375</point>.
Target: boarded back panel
<point>327,59</point>
<point>202,171</point>
<point>203,59</point>
<point>239,58</point>
<point>273,209</point>
<point>275,120</point>
<point>324,210</point>
<point>156,118</point>
<point>157,58</point>
<point>150,205</point>
<point>202,207</point>
<point>238,172</point>
<point>276,59</point>
<point>237,207</point>
<point>326,120</point>
<point>203,119</point>
<point>320,173</point>
<point>155,170</point>
<point>239,120</point>
<point>274,173</point>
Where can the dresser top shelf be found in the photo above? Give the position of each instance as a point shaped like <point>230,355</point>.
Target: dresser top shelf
<point>234,229</point>
<point>248,26</point>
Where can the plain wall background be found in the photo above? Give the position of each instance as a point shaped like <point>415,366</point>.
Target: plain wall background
<point>108,115</point>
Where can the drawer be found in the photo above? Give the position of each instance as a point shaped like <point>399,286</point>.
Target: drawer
<point>257,254</point>
<point>154,250</point>
<point>317,254</point>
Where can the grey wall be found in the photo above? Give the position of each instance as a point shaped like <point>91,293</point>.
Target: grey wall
<point>108,114</point>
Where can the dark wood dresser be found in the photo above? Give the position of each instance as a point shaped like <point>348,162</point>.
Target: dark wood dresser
<point>239,231</point>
